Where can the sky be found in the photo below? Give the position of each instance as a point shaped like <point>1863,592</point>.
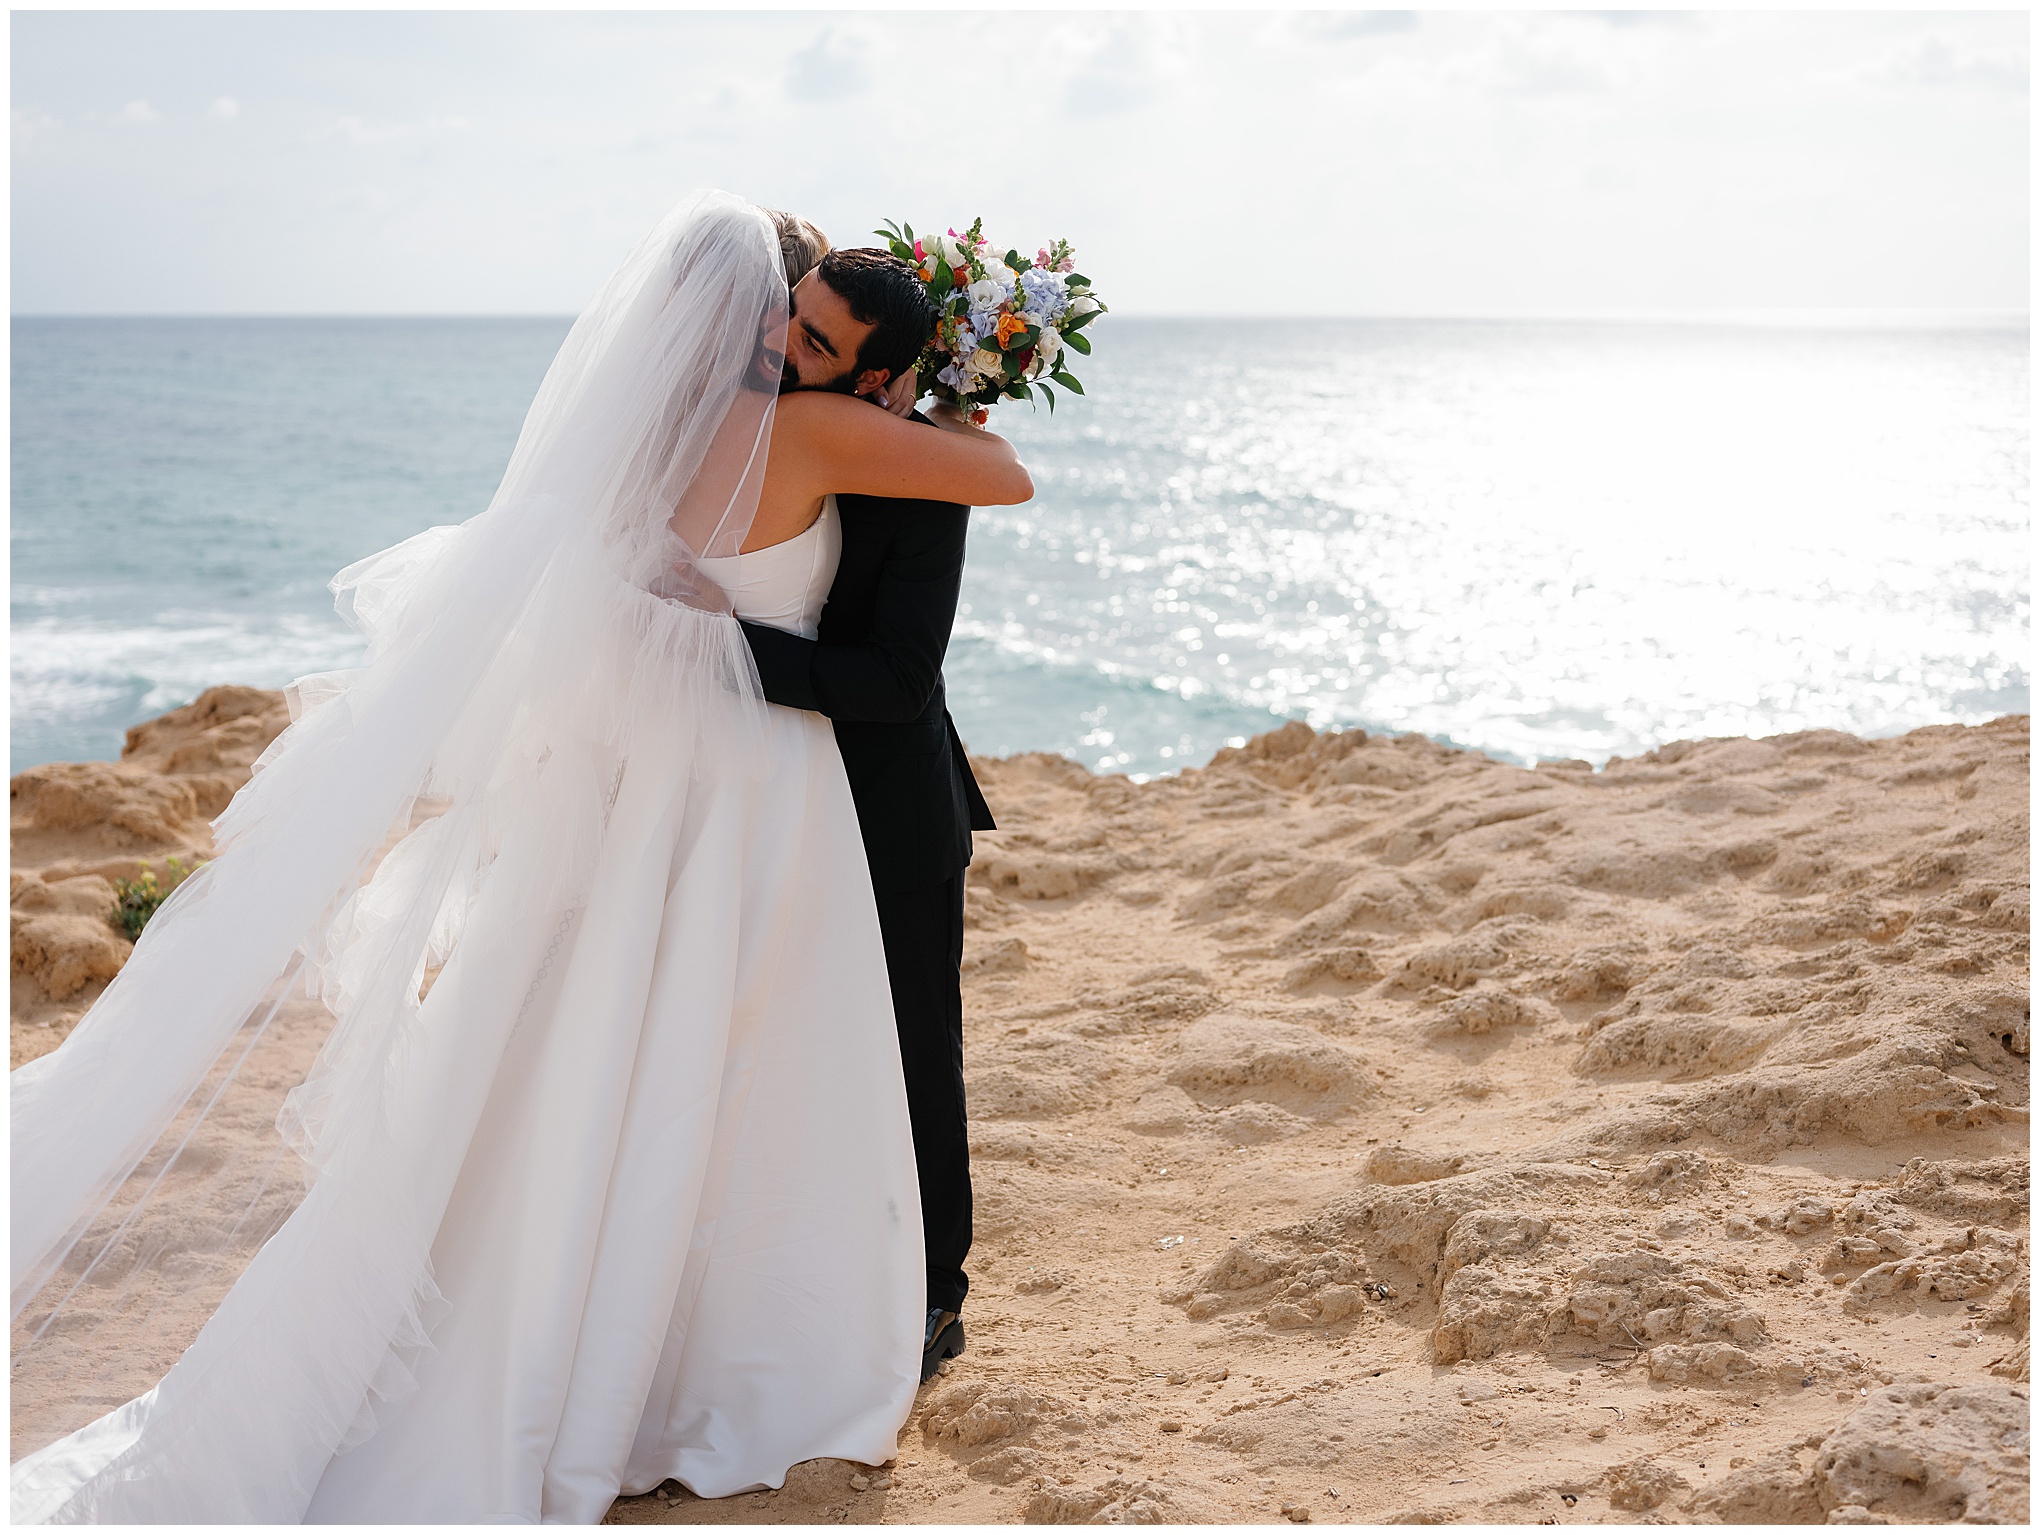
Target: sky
<point>1205,163</point>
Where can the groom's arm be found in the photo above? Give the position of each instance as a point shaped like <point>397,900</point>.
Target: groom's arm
<point>890,677</point>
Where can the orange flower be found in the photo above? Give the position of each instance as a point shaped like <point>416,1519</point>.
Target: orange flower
<point>1010,325</point>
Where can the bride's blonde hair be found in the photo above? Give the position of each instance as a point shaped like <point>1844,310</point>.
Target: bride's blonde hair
<point>801,245</point>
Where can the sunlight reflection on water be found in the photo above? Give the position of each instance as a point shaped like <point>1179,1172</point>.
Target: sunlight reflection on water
<point>1542,540</point>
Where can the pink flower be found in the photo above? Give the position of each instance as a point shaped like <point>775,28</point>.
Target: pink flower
<point>1041,258</point>
<point>923,255</point>
<point>1067,264</point>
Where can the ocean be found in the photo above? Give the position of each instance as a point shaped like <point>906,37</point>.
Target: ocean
<point>1538,539</point>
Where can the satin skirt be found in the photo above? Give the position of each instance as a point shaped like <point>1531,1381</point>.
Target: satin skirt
<point>682,1237</point>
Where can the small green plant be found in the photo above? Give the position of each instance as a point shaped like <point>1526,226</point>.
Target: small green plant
<point>136,900</point>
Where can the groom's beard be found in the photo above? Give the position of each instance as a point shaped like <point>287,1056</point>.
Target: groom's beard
<point>843,383</point>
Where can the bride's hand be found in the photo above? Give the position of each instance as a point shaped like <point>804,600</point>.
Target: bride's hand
<point>688,583</point>
<point>899,395</point>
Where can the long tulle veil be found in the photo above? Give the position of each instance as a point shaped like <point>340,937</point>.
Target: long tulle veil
<point>510,661</point>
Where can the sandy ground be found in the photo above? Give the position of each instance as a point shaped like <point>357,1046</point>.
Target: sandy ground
<point>1369,1131</point>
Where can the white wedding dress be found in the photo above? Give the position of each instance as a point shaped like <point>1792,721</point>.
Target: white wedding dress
<point>682,1237</point>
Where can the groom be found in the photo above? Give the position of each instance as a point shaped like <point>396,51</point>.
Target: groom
<point>876,670</point>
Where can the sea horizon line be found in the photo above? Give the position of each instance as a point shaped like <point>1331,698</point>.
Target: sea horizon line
<point>1781,317</point>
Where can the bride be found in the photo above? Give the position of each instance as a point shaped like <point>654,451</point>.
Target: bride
<point>608,1169</point>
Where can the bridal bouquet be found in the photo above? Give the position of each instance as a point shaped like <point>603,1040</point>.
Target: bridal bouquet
<point>1006,324</point>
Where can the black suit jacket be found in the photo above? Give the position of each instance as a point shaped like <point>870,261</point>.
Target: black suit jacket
<point>876,670</point>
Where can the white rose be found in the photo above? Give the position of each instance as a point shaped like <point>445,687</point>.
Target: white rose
<point>950,250</point>
<point>1048,348</point>
<point>986,295</point>
<point>987,363</point>
<point>1085,305</point>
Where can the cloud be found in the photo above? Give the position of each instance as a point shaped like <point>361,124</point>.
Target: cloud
<point>1543,55</point>
<point>356,131</point>
<point>831,68</point>
<point>31,123</point>
<point>360,131</point>
<point>224,108</point>
<point>1637,18</point>
<point>1337,26</point>
<point>1931,63</point>
<point>1119,68</point>
<point>137,113</point>
<point>1478,162</point>
<point>1550,55</point>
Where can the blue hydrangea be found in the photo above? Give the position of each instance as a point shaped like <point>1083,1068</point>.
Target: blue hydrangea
<point>1046,297</point>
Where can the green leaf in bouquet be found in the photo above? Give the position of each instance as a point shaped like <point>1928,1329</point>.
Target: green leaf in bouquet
<point>899,239</point>
<point>1076,280</point>
<point>1068,381</point>
<point>1076,341</point>
<point>943,276</point>
<point>1049,394</point>
<point>1076,322</point>
<point>1019,391</point>
<point>1013,260</point>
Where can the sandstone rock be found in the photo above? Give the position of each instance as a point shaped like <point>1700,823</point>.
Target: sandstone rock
<point>122,806</point>
<point>1114,1501</point>
<point>62,938</point>
<point>1774,1489</point>
<point>1486,1009</point>
<point>176,772</point>
<point>1640,1485</point>
<point>1708,1364</point>
<point>1002,956</point>
<point>1932,1454</point>
<point>1986,1258</point>
<point>979,1412</point>
<point>1226,1059</point>
<point>223,730</point>
<point>1641,1297</point>
<point>1398,1164</point>
<point>1460,962</point>
<point>1341,968</point>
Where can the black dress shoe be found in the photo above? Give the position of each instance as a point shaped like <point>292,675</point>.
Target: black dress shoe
<point>943,1340</point>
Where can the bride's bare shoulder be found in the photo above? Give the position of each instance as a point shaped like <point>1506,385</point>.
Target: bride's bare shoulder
<point>818,413</point>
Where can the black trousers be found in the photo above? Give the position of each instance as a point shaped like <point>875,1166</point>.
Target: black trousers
<point>923,931</point>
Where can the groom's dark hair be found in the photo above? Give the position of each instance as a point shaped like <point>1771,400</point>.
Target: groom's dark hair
<point>882,292</point>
